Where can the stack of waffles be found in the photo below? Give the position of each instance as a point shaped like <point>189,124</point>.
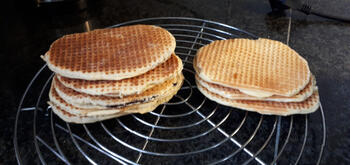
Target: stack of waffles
<point>108,73</point>
<point>262,75</point>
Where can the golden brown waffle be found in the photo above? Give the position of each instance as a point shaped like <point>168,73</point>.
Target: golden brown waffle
<point>110,54</point>
<point>309,105</point>
<point>259,68</point>
<point>235,94</point>
<point>70,113</point>
<point>130,86</point>
<point>83,100</point>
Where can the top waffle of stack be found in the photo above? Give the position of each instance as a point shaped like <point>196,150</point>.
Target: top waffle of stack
<point>110,54</point>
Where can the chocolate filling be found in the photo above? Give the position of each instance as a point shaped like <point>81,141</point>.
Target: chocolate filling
<point>132,102</point>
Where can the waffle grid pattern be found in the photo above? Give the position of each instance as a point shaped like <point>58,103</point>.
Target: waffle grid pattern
<point>118,53</point>
<point>259,65</point>
<point>161,73</point>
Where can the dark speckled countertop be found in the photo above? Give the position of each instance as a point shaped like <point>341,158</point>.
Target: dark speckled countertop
<point>27,31</point>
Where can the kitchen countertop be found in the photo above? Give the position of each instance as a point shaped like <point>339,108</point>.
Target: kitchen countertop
<point>27,31</point>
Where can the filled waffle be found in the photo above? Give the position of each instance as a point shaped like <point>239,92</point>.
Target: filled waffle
<point>235,94</point>
<point>309,105</point>
<point>59,105</point>
<point>84,100</point>
<point>109,73</point>
<point>262,75</point>
<point>110,54</point>
<point>129,86</point>
<point>259,67</point>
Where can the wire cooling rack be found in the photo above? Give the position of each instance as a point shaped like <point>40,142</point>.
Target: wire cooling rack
<point>189,129</point>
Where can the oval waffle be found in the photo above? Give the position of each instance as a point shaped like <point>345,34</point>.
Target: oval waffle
<point>135,85</point>
<point>83,100</point>
<point>110,54</point>
<point>235,94</point>
<point>309,105</point>
<point>260,68</point>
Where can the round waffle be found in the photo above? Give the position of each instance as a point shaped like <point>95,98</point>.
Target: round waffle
<point>259,68</point>
<point>309,105</point>
<point>235,94</point>
<point>83,100</point>
<point>110,54</point>
<point>61,107</point>
<point>135,85</point>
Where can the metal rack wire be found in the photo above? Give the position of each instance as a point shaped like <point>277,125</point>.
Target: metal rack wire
<point>189,129</point>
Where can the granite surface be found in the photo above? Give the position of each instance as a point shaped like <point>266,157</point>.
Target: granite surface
<point>27,31</point>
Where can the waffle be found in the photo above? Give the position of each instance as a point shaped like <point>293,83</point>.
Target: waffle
<point>259,68</point>
<point>309,105</point>
<point>71,118</point>
<point>130,86</point>
<point>56,100</point>
<point>235,94</point>
<point>110,54</point>
<point>70,113</point>
<point>83,100</point>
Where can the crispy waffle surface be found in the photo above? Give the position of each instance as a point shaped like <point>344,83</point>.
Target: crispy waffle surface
<point>260,68</point>
<point>83,100</point>
<point>309,105</point>
<point>135,85</point>
<point>235,94</point>
<point>70,113</point>
<point>110,54</point>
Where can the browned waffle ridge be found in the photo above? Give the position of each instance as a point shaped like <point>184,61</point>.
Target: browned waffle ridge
<point>110,54</point>
<point>261,67</point>
<point>135,85</point>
